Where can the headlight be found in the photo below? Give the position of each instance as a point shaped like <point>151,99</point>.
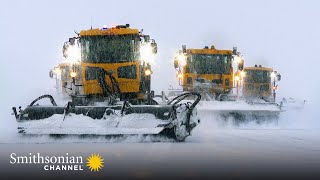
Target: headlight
<point>237,78</point>
<point>182,60</point>
<point>73,53</point>
<point>73,74</point>
<point>146,53</point>
<point>147,72</point>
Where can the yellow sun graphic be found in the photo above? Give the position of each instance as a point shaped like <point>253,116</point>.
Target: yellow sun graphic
<point>95,162</point>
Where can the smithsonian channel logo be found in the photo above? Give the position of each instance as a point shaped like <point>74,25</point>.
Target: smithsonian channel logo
<point>66,162</point>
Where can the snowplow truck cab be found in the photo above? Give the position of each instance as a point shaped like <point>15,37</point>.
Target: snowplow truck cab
<point>206,70</point>
<point>105,61</point>
<point>260,82</point>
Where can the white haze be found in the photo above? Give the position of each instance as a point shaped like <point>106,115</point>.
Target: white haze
<point>281,34</point>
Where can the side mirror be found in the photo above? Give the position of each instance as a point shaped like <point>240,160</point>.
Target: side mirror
<point>51,74</point>
<point>234,51</point>
<point>278,77</point>
<point>65,50</point>
<point>176,62</point>
<point>146,38</point>
<point>72,41</point>
<point>184,49</point>
<point>152,94</point>
<point>154,47</point>
<point>241,65</point>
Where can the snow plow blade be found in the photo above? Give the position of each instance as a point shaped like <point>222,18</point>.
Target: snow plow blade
<point>173,120</point>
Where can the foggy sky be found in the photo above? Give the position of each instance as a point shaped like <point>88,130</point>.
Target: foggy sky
<point>280,34</point>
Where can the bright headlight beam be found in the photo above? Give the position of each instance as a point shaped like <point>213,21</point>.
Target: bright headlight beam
<point>237,78</point>
<point>147,72</point>
<point>74,54</point>
<point>146,54</point>
<point>57,70</point>
<point>182,60</point>
<point>73,74</point>
<point>237,59</point>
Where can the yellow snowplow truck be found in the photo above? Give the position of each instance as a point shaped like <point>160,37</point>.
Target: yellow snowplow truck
<point>208,70</point>
<point>259,83</point>
<point>106,72</point>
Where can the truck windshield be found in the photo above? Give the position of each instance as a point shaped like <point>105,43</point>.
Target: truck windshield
<point>257,76</point>
<point>110,49</point>
<point>209,64</point>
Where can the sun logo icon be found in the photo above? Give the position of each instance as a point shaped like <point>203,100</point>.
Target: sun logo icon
<point>95,162</point>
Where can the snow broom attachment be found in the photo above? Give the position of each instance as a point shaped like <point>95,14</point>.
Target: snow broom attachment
<point>241,111</point>
<point>175,119</point>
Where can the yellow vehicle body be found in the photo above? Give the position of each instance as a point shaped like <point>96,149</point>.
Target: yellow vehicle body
<point>257,82</point>
<point>129,72</point>
<point>188,78</point>
<point>210,77</point>
<point>126,85</point>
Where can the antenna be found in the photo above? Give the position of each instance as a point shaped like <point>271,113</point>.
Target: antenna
<point>91,22</point>
<point>77,32</point>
